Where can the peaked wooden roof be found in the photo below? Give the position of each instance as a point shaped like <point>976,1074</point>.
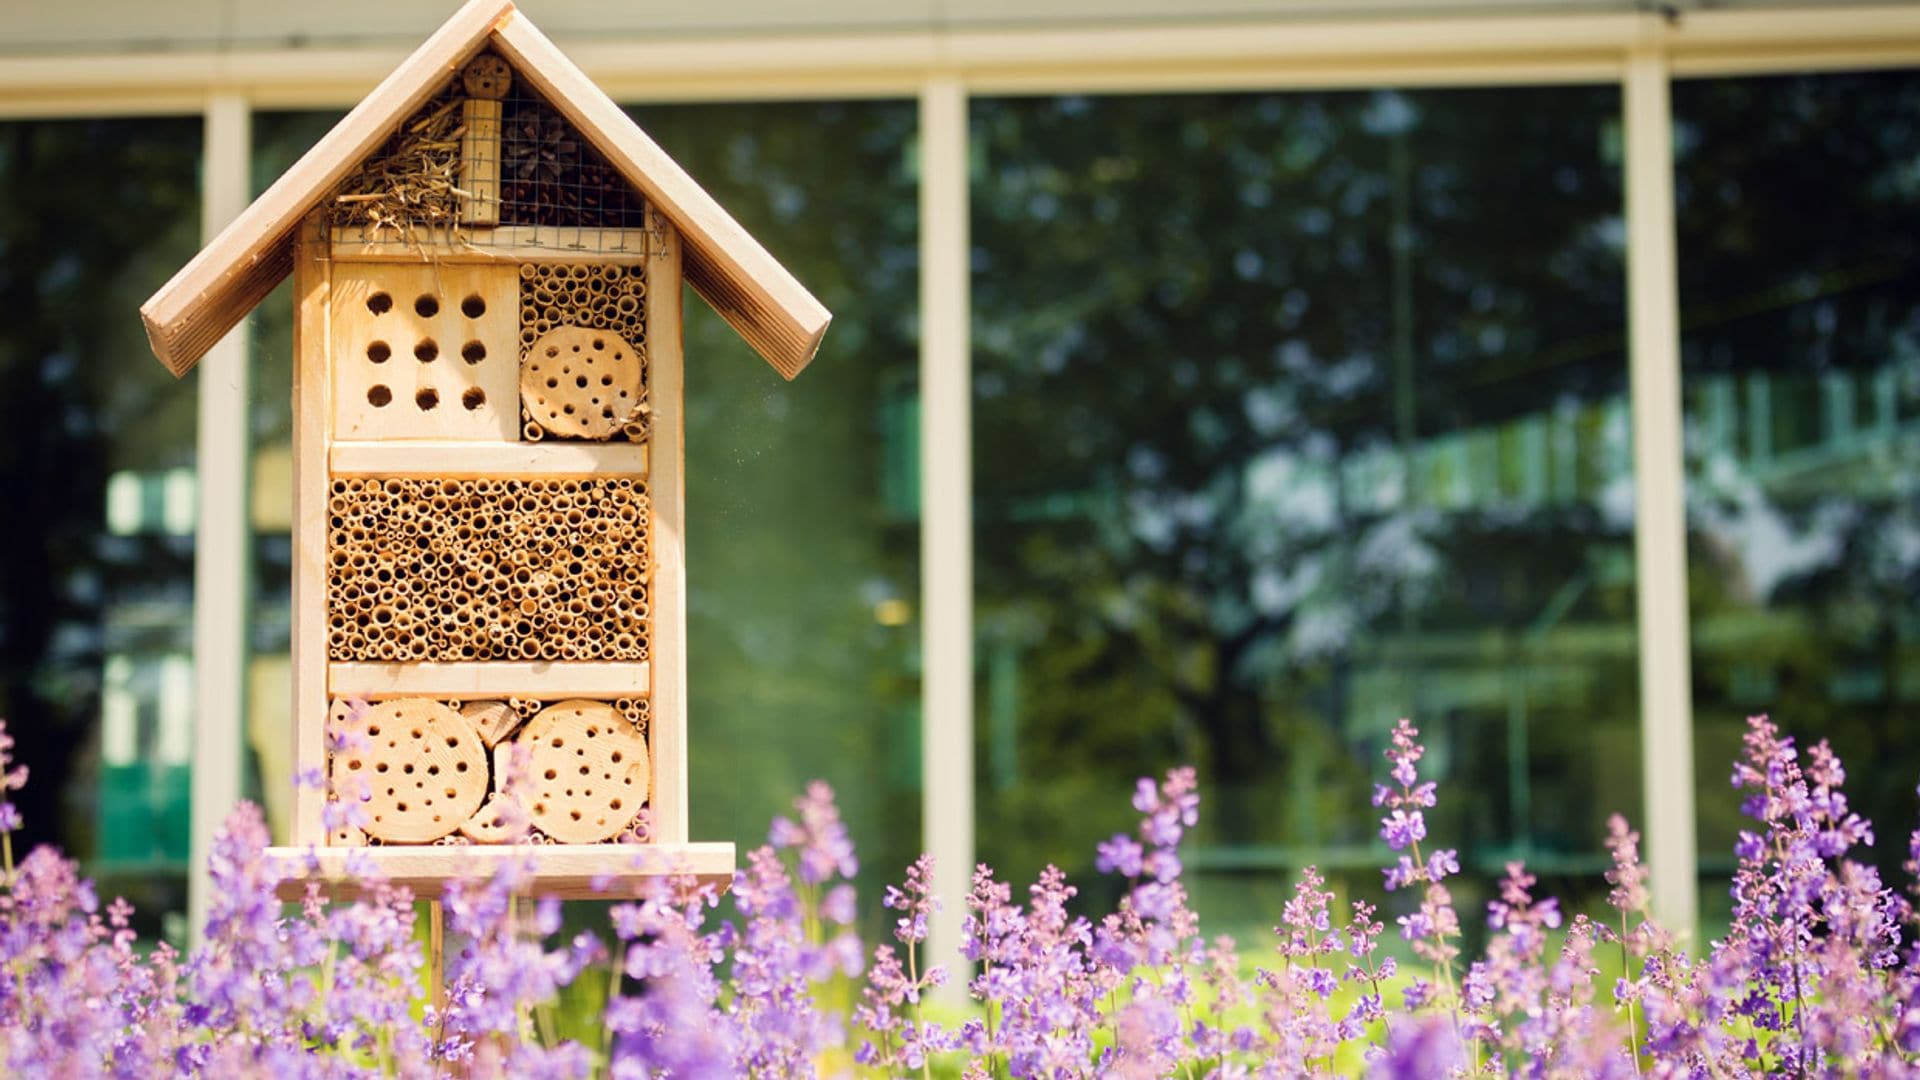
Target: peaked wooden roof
<point>727,267</point>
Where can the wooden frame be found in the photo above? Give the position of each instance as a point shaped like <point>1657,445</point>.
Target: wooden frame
<point>313,277</point>
<point>396,504</point>
<point>559,869</point>
<point>454,459</point>
<point>498,679</point>
<point>667,369</point>
<point>569,872</point>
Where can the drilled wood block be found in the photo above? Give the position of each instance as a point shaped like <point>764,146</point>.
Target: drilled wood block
<point>588,775</point>
<point>425,352</point>
<point>581,383</point>
<point>417,766</point>
<point>486,79</point>
<point>480,161</point>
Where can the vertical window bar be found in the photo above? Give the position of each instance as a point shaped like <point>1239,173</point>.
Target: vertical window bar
<point>1660,531</point>
<point>220,545</point>
<point>946,514</point>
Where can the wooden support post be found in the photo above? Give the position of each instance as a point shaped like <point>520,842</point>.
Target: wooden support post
<point>437,956</point>
<point>312,282</point>
<point>486,79</point>
<point>666,372</point>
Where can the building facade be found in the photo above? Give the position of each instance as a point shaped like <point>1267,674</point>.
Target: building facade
<point>1209,383</point>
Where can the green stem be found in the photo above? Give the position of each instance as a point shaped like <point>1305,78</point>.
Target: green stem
<point>913,973</point>
<point>613,991</point>
<point>1445,971</point>
<point>1633,1025</point>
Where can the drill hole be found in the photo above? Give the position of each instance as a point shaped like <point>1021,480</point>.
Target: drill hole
<point>473,398</point>
<point>379,303</point>
<point>473,307</point>
<point>426,306</point>
<point>426,351</point>
<point>427,399</point>
<point>378,352</point>
<point>378,396</point>
<point>473,352</point>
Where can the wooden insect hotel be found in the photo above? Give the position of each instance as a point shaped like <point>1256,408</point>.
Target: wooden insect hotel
<point>488,551</point>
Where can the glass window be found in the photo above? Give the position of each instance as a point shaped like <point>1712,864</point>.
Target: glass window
<point>279,138</point>
<point>1799,225</point>
<point>96,580</point>
<point>1295,414</point>
<point>802,511</point>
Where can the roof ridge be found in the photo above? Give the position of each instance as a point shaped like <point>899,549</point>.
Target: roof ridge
<point>730,269</point>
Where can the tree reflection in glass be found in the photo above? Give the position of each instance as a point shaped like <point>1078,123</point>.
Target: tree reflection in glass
<point>1799,218</point>
<point>1295,414</point>
<point>96,677</point>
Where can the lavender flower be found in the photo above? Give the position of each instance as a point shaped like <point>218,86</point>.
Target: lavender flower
<point>893,990</point>
<point>1818,973</point>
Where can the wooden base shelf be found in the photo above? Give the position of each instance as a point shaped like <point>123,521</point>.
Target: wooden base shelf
<point>565,871</point>
<point>439,458</point>
<point>488,680</point>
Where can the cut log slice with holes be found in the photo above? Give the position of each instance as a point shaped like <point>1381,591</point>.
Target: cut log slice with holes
<point>581,383</point>
<point>422,767</point>
<point>488,825</point>
<point>491,720</point>
<point>589,771</point>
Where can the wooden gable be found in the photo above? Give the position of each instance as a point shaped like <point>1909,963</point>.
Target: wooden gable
<point>725,265</point>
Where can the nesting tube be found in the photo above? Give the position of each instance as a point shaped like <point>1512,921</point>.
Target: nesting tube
<point>488,568</point>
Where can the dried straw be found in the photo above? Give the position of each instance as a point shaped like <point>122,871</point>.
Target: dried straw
<point>411,183</point>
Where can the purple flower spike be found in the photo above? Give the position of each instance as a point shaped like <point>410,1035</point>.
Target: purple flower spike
<point>1818,975</point>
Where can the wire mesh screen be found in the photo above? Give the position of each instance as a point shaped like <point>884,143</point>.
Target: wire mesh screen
<point>551,176</point>
<point>488,161</point>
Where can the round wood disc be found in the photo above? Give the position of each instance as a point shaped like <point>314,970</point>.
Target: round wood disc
<point>589,771</point>
<point>424,770</point>
<point>581,383</point>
